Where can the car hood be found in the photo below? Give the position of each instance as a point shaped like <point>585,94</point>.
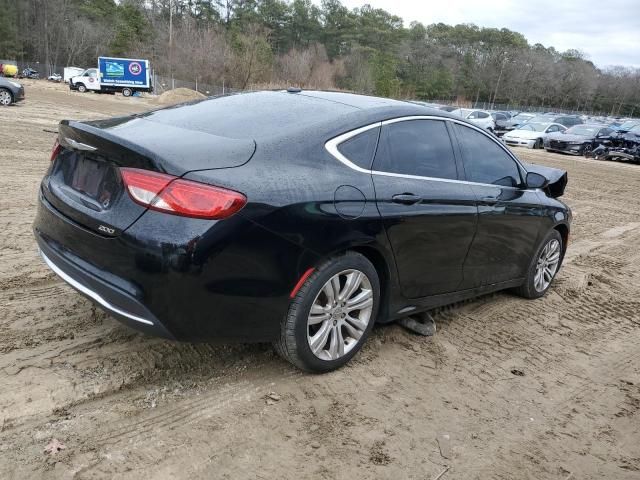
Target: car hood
<point>567,137</point>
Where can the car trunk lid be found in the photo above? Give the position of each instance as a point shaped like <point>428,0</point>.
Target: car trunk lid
<point>85,184</point>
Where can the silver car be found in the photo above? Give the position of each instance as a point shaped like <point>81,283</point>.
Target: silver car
<point>531,134</point>
<point>10,91</point>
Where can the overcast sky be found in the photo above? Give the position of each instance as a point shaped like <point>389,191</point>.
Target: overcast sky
<point>608,31</point>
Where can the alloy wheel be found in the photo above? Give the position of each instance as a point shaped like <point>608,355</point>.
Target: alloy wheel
<point>5,97</point>
<point>340,314</point>
<point>547,265</point>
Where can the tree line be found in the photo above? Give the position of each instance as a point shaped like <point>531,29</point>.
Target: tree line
<point>261,43</point>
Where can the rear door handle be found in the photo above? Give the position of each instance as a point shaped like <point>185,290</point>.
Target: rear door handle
<point>406,199</point>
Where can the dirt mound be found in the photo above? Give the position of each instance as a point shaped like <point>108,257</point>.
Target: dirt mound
<point>178,95</point>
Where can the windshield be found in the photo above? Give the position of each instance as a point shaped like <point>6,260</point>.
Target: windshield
<point>534,127</point>
<point>521,117</point>
<point>628,124</point>
<point>582,130</point>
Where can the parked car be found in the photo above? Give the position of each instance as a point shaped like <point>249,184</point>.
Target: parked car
<point>478,117</point>
<point>501,120</point>
<point>56,77</point>
<point>626,126</point>
<point>532,134</point>
<point>300,218</point>
<point>30,73</point>
<point>578,140</point>
<point>10,91</point>
<point>517,120</point>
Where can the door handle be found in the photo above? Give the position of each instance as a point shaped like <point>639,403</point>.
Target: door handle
<point>406,199</point>
<point>489,200</point>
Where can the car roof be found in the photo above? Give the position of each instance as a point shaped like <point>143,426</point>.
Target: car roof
<point>268,115</point>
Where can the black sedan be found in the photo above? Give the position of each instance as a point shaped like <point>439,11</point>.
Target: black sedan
<point>299,218</point>
<point>578,140</point>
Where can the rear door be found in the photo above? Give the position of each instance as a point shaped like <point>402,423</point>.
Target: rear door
<point>509,218</point>
<point>429,215</point>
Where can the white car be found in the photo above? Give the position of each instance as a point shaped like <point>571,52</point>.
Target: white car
<point>531,135</point>
<point>480,118</point>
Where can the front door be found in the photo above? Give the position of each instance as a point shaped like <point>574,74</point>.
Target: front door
<point>509,216</point>
<point>429,215</point>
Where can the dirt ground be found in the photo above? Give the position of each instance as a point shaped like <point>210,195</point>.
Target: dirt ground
<point>545,389</point>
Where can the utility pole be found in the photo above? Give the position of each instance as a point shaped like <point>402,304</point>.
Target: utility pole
<point>171,41</point>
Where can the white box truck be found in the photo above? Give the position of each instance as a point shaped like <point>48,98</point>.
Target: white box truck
<point>125,75</point>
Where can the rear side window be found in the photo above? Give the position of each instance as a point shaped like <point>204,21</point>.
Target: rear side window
<point>361,148</point>
<point>416,147</point>
<point>485,161</point>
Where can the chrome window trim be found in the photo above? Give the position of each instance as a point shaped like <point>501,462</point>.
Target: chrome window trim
<point>90,293</point>
<point>332,147</point>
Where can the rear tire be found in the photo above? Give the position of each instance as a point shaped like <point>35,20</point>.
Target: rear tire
<point>6,98</point>
<point>127,92</point>
<point>535,286</point>
<point>82,88</point>
<point>331,335</point>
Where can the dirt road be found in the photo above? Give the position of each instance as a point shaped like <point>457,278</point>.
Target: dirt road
<point>546,389</point>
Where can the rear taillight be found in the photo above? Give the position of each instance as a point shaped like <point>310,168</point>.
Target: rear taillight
<point>174,195</point>
<point>55,150</point>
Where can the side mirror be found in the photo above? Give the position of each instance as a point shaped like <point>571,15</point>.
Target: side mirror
<point>535,180</point>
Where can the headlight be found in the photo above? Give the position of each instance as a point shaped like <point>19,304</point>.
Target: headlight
<point>15,84</point>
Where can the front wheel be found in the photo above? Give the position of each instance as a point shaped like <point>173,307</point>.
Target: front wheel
<point>543,268</point>
<point>82,88</point>
<point>331,315</point>
<point>5,97</point>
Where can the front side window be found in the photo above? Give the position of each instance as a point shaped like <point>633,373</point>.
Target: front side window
<point>485,161</point>
<point>416,147</point>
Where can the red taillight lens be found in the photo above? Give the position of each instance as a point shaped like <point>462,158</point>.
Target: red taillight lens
<point>170,194</point>
<point>55,150</point>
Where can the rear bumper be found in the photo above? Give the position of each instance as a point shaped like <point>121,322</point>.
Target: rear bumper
<point>89,281</point>
<point>192,279</point>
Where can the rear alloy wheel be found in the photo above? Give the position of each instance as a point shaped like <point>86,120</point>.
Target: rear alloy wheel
<point>331,315</point>
<point>543,268</point>
<point>127,92</point>
<point>5,97</point>
<point>82,88</point>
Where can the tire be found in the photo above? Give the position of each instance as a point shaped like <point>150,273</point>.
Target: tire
<point>588,148</point>
<point>6,98</point>
<point>82,88</point>
<point>297,335</point>
<point>539,144</point>
<point>530,288</point>
<point>127,92</point>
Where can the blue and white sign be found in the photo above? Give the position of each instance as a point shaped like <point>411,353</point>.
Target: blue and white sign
<point>123,72</point>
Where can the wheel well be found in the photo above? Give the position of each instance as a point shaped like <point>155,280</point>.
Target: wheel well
<point>381,266</point>
<point>564,233</point>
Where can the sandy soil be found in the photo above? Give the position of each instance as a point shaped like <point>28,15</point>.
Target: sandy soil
<point>546,389</point>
